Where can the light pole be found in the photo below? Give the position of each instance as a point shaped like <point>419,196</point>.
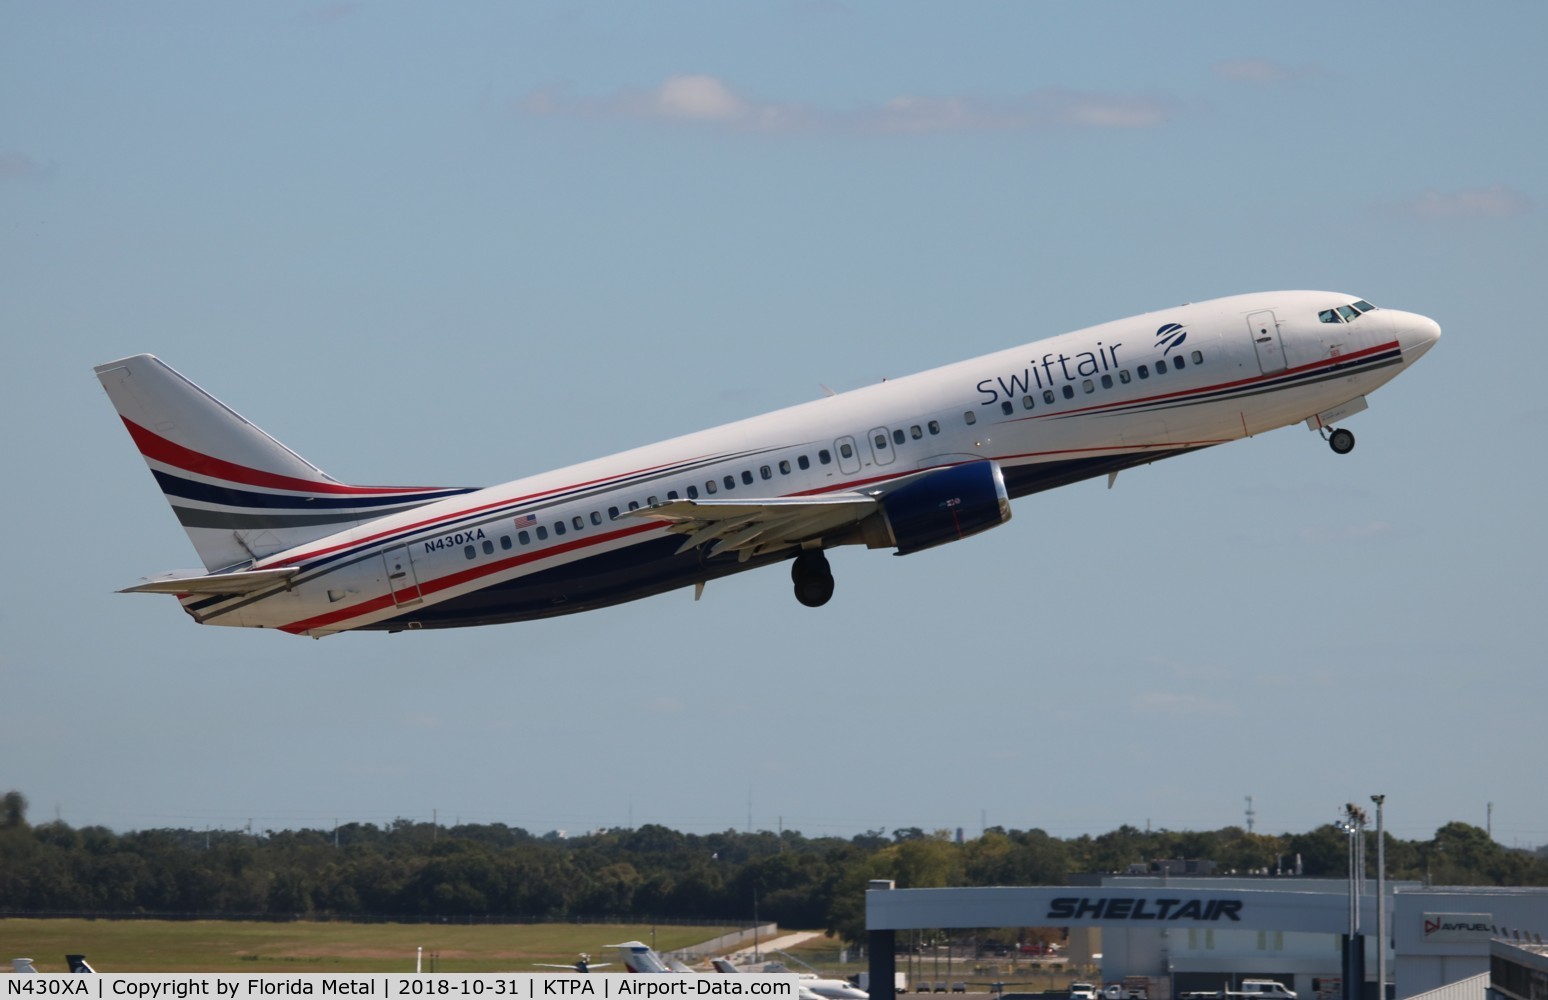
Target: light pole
<point>1353,824</point>
<point>1381,901</point>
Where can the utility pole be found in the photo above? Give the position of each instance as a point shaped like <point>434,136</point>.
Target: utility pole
<point>1381,900</point>
<point>1251,815</point>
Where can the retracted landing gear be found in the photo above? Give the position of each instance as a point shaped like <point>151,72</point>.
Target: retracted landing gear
<point>812,578</point>
<point>1340,440</point>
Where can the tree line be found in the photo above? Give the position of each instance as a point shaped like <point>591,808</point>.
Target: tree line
<point>412,870</point>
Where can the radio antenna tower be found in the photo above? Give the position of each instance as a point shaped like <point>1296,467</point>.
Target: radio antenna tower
<point>1251,814</point>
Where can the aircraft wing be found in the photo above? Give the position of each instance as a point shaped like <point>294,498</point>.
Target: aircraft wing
<point>194,582</point>
<point>755,526</point>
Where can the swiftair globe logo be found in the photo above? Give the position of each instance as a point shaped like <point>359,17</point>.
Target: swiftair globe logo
<point>1172,335</point>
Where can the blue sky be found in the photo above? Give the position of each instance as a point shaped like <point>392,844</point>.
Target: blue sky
<point>455,244</point>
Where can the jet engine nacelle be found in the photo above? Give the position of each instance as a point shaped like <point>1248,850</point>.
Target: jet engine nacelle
<point>939,507</point>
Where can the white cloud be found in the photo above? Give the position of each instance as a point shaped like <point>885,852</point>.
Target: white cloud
<point>709,100</point>
<point>1495,202</point>
<point>698,96</point>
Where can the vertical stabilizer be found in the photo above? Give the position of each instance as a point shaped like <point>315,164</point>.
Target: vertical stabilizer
<point>238,493</point>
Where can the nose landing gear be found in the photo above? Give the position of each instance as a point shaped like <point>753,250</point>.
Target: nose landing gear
<point>812,578</point>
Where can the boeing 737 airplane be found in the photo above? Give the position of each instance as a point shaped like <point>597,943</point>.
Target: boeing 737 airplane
<point>906,464</point>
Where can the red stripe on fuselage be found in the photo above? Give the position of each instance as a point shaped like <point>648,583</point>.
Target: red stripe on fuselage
<point>285,558</point>
<point>462,576</point>
<point>1135,404</point>
<point>154,446</point>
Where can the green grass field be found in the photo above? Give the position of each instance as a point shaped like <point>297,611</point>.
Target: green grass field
<point>239,946</point>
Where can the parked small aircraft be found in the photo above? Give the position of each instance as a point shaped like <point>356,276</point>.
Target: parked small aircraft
<point>582,964</point>
<point>906,465</point>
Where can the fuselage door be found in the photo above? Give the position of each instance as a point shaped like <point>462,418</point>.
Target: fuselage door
<point>1264,329</point>
<point>848,455</point>
<point>401,580</point>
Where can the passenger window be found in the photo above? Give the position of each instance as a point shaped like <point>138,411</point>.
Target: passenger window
<point>523,538</point>
<point>730,482</point>
<point>969,417</point>
<point>596,517</point>
<point>747,477</point>
<point>1026,402</point>
<point>915,432</point>
<point>1048,396</point>
<point>1198,357</point>
<point>542,533</point>
<point>765,472</point>
<point>650,501</point>
<point>505,542</point>
<point>824,457</point>
<point>1088,386</point>
<point>935,426</point>
<point>784,466</point>
<point>612,513</point>
<point>558,527</point>
<point>1107,381</point>
<point>846,450</point>
<point>880,441</point>
<point>693,493</point>
<point>1069,391</point>
<point>1006,407</point>
<point>898,436</point>
<point>1123,376</point>
<point>1178,362</point>
<point>710,487</point>
<point>634,505</point>
<point>804,462</point>
<point>1143,371</point>
<point>488,547</point>
<point>470,552</point>
<point>578,522</point>
<point>1160,366</point>
<point>671,494</point>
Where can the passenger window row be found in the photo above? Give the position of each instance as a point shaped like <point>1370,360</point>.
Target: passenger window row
<point>1029,401</point>
<point>747,477</point>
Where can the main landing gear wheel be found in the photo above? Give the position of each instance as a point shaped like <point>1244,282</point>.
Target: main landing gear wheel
<point>812,578</point>
<point>1341,441</point>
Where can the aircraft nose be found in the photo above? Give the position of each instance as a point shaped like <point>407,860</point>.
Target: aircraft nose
<point>1416,334</point>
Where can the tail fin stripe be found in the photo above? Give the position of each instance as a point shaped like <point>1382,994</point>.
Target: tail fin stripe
<point>228,520</point>
<point>157,448</point>
<point>216,494</point>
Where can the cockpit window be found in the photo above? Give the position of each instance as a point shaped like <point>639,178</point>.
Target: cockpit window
<point>1345,314</point>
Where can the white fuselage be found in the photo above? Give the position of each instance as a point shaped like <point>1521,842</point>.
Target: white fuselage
<point>1050,412</point>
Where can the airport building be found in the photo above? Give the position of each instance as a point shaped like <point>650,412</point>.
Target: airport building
<point>1196,934</point>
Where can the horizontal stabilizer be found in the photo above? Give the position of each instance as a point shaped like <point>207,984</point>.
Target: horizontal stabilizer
<point>193,582</point>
